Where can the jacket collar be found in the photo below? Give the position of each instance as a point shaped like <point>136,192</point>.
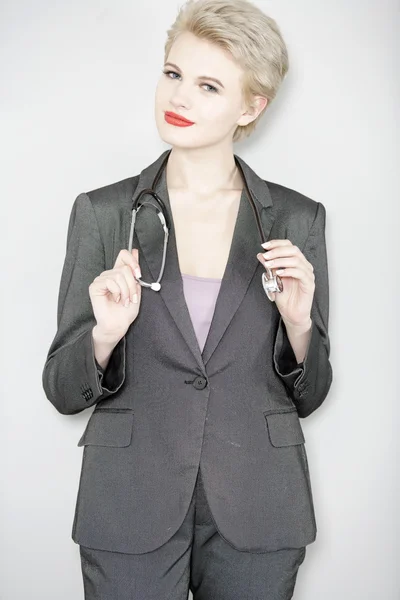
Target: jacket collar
<point>242,261</point>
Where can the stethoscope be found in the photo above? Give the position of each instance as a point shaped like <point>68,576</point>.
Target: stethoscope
<point>270,282</point>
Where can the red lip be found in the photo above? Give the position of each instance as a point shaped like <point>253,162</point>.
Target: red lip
<point>175,119</point>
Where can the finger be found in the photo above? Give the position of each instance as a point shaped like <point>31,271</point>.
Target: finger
<point>290,249</point>
<point>286,250</point>
<point>121,279</point>
<point>290,261</point>
<point>130,259</point>
<point>275,243</point>
<point>296,273</point>
<point>296,260</point>
<point>114,281</point>
<point>276,263</point>
<point>301,271</point>
<point>131,282</point>
<point>106,283</point>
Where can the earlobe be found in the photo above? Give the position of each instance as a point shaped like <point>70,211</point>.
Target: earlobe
<point>244,120</point>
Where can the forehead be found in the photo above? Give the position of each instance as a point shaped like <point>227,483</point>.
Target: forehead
<point>197,57</point>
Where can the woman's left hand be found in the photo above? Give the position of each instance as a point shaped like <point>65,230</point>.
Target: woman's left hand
<point>295,301</point>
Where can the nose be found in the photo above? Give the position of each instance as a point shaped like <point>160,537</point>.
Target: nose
<point>180,97</point>
<point>178,102</point>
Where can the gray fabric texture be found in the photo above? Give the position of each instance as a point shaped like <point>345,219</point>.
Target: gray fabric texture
<point>196,558</point>
<point>162,407</point>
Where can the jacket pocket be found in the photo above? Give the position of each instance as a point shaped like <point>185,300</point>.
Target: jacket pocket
<point>284,428</point>
<point>108,427</point>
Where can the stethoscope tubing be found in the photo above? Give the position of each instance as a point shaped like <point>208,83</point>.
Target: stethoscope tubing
<point>270,281</point>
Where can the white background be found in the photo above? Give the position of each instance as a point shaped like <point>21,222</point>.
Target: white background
<point>77,90</point>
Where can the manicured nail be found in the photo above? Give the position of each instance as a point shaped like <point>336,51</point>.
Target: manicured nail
<point>135,298</point>
<point>266,244</point>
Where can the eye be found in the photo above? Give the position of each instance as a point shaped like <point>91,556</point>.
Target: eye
<point>168,73</point>
<point>212,88</point>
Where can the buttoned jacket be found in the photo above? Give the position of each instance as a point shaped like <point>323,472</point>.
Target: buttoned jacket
<point>163,408</point>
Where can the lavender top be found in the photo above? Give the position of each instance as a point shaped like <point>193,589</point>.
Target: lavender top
<point>201,296</point>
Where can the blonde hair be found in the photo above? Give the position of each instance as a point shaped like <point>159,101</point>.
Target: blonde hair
<point>253,39</point>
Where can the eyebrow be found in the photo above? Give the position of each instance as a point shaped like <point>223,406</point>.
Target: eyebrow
<point>200,77</point>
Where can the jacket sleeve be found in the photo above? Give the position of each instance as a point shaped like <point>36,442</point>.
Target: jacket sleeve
<point>308,382</point>
<point>72,379</point>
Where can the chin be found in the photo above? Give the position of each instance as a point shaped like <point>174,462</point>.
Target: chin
<point>176,136</point>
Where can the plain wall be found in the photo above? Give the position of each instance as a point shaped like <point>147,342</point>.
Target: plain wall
<point>77,112</point>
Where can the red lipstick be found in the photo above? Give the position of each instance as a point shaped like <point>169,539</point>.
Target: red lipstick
<point>178,120</point>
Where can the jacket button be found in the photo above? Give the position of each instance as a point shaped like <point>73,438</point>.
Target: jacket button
<point>200,383</point>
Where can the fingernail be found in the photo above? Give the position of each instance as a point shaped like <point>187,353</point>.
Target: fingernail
<point>127,302</point>
<point>266,244</point>
<point>135,298</point>
<point>118,298</point>
<point>137,272</point>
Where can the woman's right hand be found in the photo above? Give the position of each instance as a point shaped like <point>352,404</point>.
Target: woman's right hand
<point>111,289</point>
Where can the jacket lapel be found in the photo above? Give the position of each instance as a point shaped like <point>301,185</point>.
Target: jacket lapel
<point>241,265</point>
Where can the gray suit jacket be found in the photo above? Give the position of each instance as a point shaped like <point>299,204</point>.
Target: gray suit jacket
<point>163,408</point>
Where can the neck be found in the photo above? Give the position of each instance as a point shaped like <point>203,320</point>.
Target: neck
<point>203,171</point>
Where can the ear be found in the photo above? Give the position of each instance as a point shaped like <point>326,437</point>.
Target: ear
<point>252,111</point>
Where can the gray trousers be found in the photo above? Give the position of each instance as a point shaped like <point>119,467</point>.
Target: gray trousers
<point>196,558</point>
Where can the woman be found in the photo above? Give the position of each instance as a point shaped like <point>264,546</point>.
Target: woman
<point>194,472</point>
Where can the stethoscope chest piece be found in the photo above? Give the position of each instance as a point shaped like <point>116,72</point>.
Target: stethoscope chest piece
<point>271,283</point>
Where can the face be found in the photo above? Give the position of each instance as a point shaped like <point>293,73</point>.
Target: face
<point>187,89</point>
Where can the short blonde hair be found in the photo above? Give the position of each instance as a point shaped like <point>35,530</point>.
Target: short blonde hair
<point>252,37</point>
